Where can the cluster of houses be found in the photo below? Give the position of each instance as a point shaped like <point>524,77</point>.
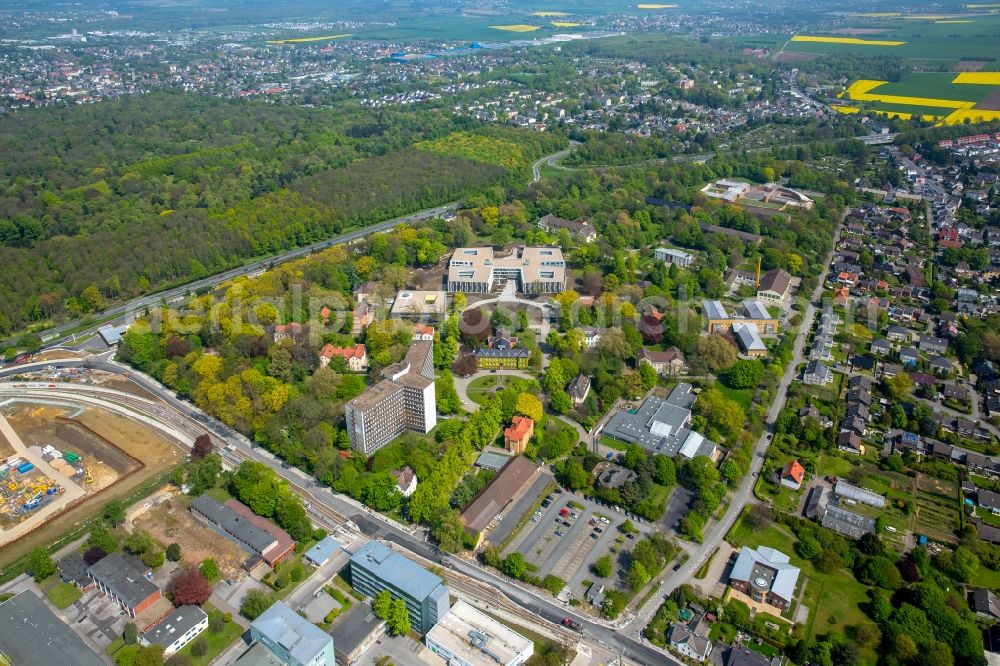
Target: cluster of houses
<point>762,577</point>
<point>817,372</point>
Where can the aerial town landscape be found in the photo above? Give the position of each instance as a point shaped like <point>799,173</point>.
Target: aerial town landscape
<point>477,332</point>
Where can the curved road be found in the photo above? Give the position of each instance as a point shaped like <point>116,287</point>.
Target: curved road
<point>59,333</point>
<point>327,505</point>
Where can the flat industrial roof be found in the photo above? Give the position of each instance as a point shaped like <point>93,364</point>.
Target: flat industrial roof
<point>396,570</point>
<point>31,634</point>
<point>477,638</point>
<point>659,425</point>
<point>302,639</point>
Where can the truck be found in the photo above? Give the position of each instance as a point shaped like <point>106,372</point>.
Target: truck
<point>572,624</point>
<point>24,468</point>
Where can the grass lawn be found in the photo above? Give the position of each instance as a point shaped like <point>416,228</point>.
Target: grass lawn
<point>216,643</point>
<point>613,443</point>
<point>833,599</point>
<point>481,388</point>
<point>742,396</point>
<point>987,578</point>
<point>832,465</point>
<point>64,594</point>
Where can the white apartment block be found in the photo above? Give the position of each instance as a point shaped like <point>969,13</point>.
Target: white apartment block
<point>403,400</point>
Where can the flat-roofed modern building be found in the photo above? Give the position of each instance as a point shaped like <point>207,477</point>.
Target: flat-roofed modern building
<point>535,270</point>
<point>468,637</point>
<point>754,313</point>
<point>31,634</point>
<point>376,567</point>
<point>355,632</point>
<point>177,629</point>
<point>404,400</point>
<point>661,425</point>
<point>126,586</point>
<point>414,304</point>
<point>671,256</point>
<point>292,638</point>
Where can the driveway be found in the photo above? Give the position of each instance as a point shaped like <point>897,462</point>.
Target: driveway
<point>717,531</point>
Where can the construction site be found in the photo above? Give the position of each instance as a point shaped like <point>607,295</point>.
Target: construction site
<point>57,457</point>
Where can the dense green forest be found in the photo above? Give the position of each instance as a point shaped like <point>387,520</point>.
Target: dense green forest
<point>113,201</point>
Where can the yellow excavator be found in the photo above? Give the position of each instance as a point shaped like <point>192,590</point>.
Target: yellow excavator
<point>88,476</point>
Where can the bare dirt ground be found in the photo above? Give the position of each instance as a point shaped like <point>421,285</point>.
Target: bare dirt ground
<point>970,65</point>
<point>55,355</point>
<point>48,425</point>
<point>861,31</point>
<point>992,101</point>
<point>170,522</point>
<point>155,453</point>
<point>796,57</point>
<point>121,383</point>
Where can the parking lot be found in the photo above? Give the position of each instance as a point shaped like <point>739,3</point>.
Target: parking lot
<point>98,618</point>
<point>563,540</point>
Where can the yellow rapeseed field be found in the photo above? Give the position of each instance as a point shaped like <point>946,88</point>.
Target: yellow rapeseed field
<point>891,114</point>
<point>845,40</point>
<point>304,40</point>
<point>974,116</point>
<point>566,24</point>
<point>979,78</point>
<point>860,91</point>
<point>549,14</point>
<point>516,27</point>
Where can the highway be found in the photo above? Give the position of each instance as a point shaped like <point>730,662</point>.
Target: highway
<point>124,312</point>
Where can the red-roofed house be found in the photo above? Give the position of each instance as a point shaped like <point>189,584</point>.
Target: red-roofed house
<point>792,475</point>
<point>356,356</point>
<point>423,332</point>
<point>517,436</point>
<point>293,330</point>
<point>841,295</point>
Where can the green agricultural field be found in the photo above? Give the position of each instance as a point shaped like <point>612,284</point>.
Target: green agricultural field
<point>934,85</point>
<point>925,40</point>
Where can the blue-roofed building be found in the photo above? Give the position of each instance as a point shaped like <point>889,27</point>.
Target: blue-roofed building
<point>292,638</point>
<point>376,567</point>
<point>323,551</point>
<point>110,335</point>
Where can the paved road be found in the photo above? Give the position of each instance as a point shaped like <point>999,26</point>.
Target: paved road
<point>124,312</point>
<point>536,168</point>
<point>744,493</point>
<point>345,510</point>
